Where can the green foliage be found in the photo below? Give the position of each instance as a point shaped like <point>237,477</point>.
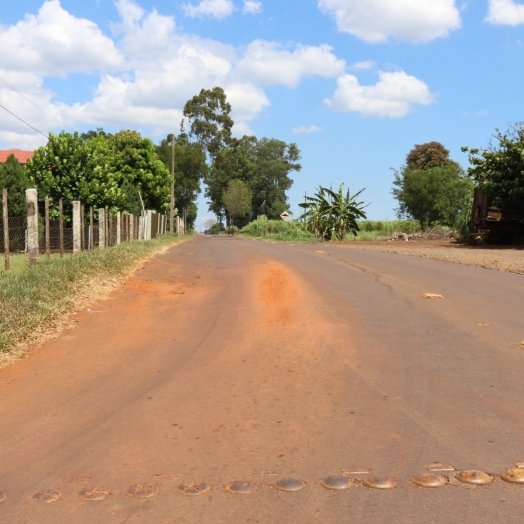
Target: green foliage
<point>215,229</point>
<point>263,165</point>
<point>499,170</point>
<point>436,195</point>
<point>134,160</point>
<point>237,199</point>
<point>465,223</point>
<point>330,215</point>
<point>388,227</point>
<point>292,231</point>
<point>190,168</point>
<point>100,172</point>
<point>94,133</point>
<point>208,116</point>
<point>13,177</point>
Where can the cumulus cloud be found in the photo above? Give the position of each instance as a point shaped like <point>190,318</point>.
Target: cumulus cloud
<point>251,7</point>
<point>268,63</point>
<point>505,12</point>
<point>393,96</point>
<point>213,8</point>
<point>54,42</point>
<point>306,130</point>
<point>409,20</point>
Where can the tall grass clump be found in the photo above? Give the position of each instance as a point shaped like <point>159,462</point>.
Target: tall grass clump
<point>277,230</point>
<point>33,299</point>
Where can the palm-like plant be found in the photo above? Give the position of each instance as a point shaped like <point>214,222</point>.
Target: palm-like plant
<point>330,215</point>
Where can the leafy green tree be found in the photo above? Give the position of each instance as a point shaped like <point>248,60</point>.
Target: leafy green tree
<point>237,200</point>
<point>330,215</point>
<point>439,194</point>
<point>13,177</point>
<point>70,169</point>
<point>499,170</point>
<point>274,161</point>
<point>134,160</point>
<point>209,120</point>
<point>94,133</point>
<point>431,187</point>
<point>190,168</point>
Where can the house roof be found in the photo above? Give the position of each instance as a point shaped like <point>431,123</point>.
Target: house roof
<point>21,156</point>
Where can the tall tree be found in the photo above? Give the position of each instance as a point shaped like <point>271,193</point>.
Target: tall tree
<point>237,200</point>
<point>274,161</point>
<point>13,177</point>
<point>190,168</point>
<point>439,194</point>
<point>134,160</point>
<point>431,187</point>
<point>499,170</point>
<point>209,120</point>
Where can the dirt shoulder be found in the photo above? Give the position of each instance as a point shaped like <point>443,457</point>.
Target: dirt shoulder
<point>503,258</point>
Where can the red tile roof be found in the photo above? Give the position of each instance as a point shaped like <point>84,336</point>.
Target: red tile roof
<point>21,156</point>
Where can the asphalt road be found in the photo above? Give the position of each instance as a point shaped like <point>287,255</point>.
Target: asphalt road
<point>226,358</point>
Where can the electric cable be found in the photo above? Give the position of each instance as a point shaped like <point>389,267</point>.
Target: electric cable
<point>16,116</point>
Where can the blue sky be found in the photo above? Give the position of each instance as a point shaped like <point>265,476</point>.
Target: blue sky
<point>354,83</point>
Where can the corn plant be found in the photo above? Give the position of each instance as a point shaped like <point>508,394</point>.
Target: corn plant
<point>330,215</point>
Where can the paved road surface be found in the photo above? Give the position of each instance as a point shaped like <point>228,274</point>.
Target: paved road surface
<point>228,356</point>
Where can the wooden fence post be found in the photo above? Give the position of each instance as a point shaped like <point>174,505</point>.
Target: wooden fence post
<point>132,227</point>
<point>91,229</point>
<point>31,199</point>
<point>77,232</point>
<point>118,230</point>
<point>6,229</point>
<point>101,228</point>
<point>47,226</point>
<point>61,226</point>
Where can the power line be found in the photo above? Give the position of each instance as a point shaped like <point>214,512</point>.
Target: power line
<point>16,116</point>
<point>36,105</point>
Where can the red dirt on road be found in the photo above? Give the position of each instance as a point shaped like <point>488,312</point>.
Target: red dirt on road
<point>227,358</point>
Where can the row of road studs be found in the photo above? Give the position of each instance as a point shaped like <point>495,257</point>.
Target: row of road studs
<point>437,476</point>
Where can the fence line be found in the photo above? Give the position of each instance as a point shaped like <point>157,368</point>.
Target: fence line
<point>33,234</point>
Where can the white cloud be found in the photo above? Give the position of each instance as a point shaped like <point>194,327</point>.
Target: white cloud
<point>393,96</point>
<point>378,20</point>
<point>214,8</point>
<point>505,12</point>
<point>54,42</point>
<point>251,7</point>
<point>306,130</point>
<point>362,66</point>
<point>268,63</point>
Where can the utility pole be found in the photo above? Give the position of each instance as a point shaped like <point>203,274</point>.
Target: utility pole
<point>172,203</point>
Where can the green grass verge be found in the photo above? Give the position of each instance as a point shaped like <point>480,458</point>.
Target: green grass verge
<point>32,298</point>
<point>278,230</point>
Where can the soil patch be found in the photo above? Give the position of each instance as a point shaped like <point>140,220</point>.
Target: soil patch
<point>503,258</point>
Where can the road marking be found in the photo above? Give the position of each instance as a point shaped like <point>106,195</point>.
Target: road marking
<point>429,480</point>
<point>337,482</point>
<point>143,491</point>
<point>93,495</point>
<point>241,487</point>
<point>46,496</point>
<point>379,483</point>
<point>289,485</point>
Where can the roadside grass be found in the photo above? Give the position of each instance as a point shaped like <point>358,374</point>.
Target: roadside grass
<point>33,299</point>
<point>370,230</point>
<point>278,230</point>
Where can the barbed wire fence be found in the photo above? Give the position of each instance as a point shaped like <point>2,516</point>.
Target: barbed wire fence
<point>37,234</point>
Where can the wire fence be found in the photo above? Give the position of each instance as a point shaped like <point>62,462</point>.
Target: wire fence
<point>37,234</point>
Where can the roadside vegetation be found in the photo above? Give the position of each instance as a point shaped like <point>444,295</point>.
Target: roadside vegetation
<point>35,299</point>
